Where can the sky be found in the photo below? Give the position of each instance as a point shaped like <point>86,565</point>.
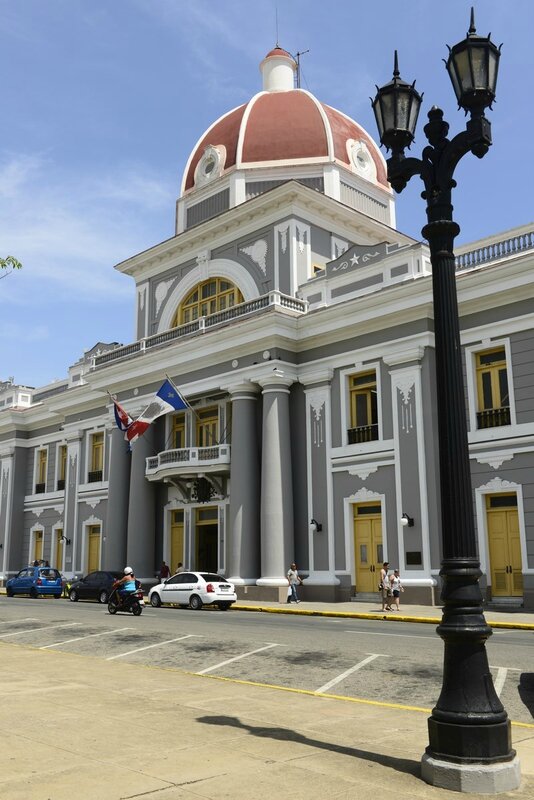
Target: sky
<point>102,102</point>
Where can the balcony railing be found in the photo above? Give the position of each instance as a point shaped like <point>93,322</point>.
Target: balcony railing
<point>202,324</point>
<point>492,252</point>
<point>60,484</point>
<point>94,476</point>
<point>188,459</point>
<point>40,488</point>
<point>493,417</point>
<point>364,433</point>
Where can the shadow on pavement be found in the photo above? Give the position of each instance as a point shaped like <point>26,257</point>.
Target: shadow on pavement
<point>526,690</point>
<point>285,735</point>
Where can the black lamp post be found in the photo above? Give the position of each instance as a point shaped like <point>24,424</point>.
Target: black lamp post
<point>469,730</point>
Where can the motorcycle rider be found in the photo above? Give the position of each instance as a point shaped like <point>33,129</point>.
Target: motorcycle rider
<point>125,586</point>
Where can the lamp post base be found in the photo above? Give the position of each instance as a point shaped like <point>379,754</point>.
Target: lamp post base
<point>472,778</point>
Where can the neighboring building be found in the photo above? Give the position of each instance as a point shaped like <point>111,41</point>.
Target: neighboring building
<point>298,323</point>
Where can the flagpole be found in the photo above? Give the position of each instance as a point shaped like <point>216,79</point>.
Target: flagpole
<point>187,403</point>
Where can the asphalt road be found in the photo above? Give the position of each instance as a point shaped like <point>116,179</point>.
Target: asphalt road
<point>348,658</point>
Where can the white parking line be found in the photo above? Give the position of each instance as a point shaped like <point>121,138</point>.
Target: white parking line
<point>15,621</point>
<point>46,628</point>
<point>348,672</point>
<point>236,658</point>
<point>79,638</point>
<point>502,672</point>
<point>148,646</point>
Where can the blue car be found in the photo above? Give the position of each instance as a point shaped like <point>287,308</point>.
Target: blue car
<point>35,581</point>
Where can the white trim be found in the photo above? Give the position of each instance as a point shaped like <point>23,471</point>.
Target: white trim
<point>58,526</point>
<point>37,449</point>
<point>243,129</point>
<point>471,352</point>
<point>92,520</point>
<point>6,482</point>
<point>59,445</point>
<point>344,394</point>
<point>36,527</point>
<point>363,495</point>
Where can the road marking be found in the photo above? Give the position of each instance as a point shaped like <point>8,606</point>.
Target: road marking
<point>502,672</point>
<point>510,669</point>
<point>347,672</point>
<point>79,638</point>
<point>402,635</point>
<point>46,628</point>
<point>15,621</point>
<point>236,658</point>
<point>149,646</point>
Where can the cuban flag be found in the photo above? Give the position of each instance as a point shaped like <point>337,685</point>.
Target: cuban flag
<point>122,418</point>
<point>166,399</point>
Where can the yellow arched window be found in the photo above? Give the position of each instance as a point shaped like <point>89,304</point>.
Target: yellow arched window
<point>215,294</point>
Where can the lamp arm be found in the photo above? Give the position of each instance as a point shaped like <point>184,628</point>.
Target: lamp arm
<point>401,169</point>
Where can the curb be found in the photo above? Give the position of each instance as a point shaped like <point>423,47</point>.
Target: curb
<point>524,626</point>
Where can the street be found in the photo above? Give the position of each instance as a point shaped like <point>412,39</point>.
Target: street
<point>346,658</point>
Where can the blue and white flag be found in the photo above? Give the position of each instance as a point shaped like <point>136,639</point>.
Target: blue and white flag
<point>166,399</point>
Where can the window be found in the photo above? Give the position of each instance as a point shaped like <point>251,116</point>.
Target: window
<point>215,294</point>
<point>42,463</point>
<point>208,427</point>
<point>178,431</point>
<point>363,408</point>
<point>62,467</point>
<point>97,458</point>
<point>493,398</point>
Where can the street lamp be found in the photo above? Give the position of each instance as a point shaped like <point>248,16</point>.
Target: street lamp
<point>469,730</point>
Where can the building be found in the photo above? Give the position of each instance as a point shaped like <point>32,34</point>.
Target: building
<point>297,320</point>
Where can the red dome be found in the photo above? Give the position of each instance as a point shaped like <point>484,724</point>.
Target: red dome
<point>282,126</point>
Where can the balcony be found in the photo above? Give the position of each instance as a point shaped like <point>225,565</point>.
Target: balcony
<point>40,488</point>
<point>95,476</point>
<point>364,433</point>
<point>61,484</point>
<point>189,462</point>
<point>493,417</point>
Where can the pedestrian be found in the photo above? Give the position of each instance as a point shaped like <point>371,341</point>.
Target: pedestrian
<point>180,567</point>
<point>164,572</point>
<point>384,587</point>
<point>294,580</point>
<point>396,588</point>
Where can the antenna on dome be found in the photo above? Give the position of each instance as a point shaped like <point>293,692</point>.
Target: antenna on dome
<point>276,18</point>
<point>297,59</point>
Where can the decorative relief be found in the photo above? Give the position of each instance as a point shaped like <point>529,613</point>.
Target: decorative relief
<point>363,472</point>
<point>363,495</point>
<point>93,502</point>
<point>37,511</point>
<point>405,386</point>
<point>302,232</point>
<point>338,248</point>
<point>498,485</point>
<point>203,260</point>
<point>142,295</point>
<point>258,253</point>
<point>283,238</point>
<point>161,292</point>
<point>317,403</point>
<point>496,460</point>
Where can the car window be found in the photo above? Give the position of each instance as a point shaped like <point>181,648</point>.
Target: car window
<point>175,579</point>
<point>24,573</point>
<point>49,574</point>
<point>92,577</point>
<point>208,576</point>
<point>188,577</point>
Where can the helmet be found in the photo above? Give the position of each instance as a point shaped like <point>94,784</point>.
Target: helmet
<point>128,571</point>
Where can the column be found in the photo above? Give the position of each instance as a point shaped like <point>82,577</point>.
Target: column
<point>73,556</point>
<point>276,509</point>
<point>141,512</point>
<point>115,534</point>
<point>244,523</point>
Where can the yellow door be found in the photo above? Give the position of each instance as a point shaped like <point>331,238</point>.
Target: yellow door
<point>93,548</point>
<point>177,539</point>
<point>506,566</point>
<point>38,546</point>
<point>368,550</point>
<point>59,549</point>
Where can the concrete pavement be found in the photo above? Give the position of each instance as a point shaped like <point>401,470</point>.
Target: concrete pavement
<point>79,727</point>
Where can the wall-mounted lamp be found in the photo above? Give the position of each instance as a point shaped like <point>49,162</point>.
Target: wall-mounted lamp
<point>63,538</point>
<point>406,520</point>
<point>1,546</point>
<point>318,526</point>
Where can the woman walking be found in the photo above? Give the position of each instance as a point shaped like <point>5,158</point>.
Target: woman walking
<point>396,588</point>
<point>385,587</point>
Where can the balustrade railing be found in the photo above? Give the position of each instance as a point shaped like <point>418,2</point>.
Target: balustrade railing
<point>493,417</point>
<point>189,457</point>
<point>496,250</point>
<point>364,433</point>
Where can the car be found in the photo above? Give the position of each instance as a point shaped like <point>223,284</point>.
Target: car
<point>36,581</point>
<point>194,589</point>
<point>94,586</point>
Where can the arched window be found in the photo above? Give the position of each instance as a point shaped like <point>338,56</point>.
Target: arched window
<point>215,294</point>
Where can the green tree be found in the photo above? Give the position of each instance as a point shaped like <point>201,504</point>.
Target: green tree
<point>8,264</point>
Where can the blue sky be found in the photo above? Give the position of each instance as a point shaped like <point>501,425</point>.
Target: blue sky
<point>103,100</point>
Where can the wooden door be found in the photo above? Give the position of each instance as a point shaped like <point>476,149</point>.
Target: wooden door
<point>506,566</point>
<point>38,546</point>
<point>177,540</point>
<point>368,549</point>
<point>93,548</point>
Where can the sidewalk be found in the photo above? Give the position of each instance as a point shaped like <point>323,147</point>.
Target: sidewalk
<point>521,620</point>
<point>190,737</point>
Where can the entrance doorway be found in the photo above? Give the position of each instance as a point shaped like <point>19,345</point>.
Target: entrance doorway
<point>207,539</point>
<point>368,548</point>
<point>93,548</point>
<point>506,567</point>
<point>38,538</point>
<point>177,539</point>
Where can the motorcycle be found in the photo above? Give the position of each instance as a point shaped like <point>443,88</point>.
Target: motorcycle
<point>131,603</point>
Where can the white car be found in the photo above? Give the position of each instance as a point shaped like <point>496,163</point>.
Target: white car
<point>194,589</point>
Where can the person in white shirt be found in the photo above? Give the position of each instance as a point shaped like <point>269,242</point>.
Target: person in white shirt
<point>396,588</point>
<point>293,579</point>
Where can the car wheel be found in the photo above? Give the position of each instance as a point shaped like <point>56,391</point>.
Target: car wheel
<point>33,593</point>
<point>137,610</point>
<point>57,596</point>
<point>195,602</point>
<point>112,608</point>
<point>73,596</point>
<point>9,591</point>
<point>224,606</point>
<point>155,600</point>
<point>103,596</point>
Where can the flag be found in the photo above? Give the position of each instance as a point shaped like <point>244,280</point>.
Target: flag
<point>122,418</point>
<point>166,399</point>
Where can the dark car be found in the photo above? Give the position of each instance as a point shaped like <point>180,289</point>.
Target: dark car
<point>95,586</point>
<point>35,581</point>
